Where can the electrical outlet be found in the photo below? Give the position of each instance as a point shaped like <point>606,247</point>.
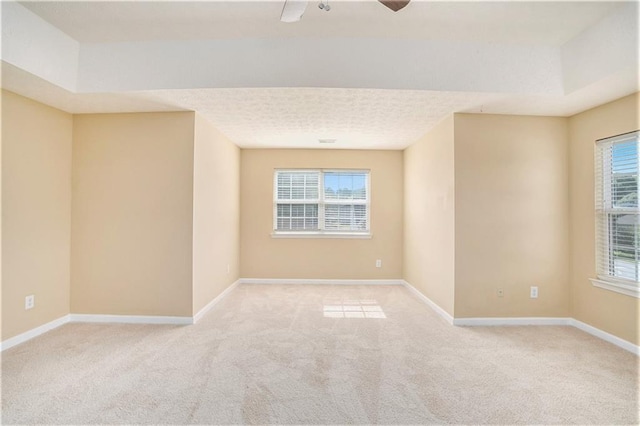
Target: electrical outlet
<point>379,263</point>
<point>29,302</point>
<point>500,292</point>
<point>534,292</point>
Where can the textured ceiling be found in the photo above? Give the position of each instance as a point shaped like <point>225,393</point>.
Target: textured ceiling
<point>548,23</point>
<point>361,118</point>
<point>298,117</point>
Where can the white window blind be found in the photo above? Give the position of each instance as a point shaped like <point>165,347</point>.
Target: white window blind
<point>297,199</point>
<point>617,212</point>
<point>321,201</point>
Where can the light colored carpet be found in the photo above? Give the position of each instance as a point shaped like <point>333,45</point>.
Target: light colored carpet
<point>287,355</point>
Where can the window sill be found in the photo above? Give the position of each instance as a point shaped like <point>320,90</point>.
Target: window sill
<point>337,235</point>
<point>627,289</point>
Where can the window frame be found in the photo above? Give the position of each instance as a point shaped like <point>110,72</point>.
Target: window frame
<point>602,213</point>
<point>322,202</point>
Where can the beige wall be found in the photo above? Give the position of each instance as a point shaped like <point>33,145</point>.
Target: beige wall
<point>429,215</point>
<point>512,215</point>
<point>132,214</point>
<point>132,223</point>
<point>262,256</point>
<point>216,213</point>
<point>612,312</point>
<point>1,203</point>
<point>36,213</point>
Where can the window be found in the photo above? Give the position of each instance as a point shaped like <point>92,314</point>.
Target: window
<point>321,202</point>
<point>617,213</point>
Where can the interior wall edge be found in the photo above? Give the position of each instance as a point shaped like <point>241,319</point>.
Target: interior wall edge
<point>527,321</point>
<point>468,322</point>
<point>314,281</point>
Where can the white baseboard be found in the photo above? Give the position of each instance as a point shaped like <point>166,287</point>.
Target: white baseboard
<point>34,332</point>
<point>217,299</point>
<point>131,319</point>
<point>505,321</point>
<point>318,281</point>
<point>143,319</point>
<point>607,337</point>
<point>566,321</point>
<point>444,314</point>
<point>112,319</point>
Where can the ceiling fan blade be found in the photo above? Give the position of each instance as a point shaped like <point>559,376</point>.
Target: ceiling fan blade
<point>395,5</point>
<point>293,10</point>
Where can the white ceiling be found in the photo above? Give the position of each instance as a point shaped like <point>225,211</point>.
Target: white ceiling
<point>548,23</point>
<point>295,117</point>
<point>482,71</point>
<point>298,117</point>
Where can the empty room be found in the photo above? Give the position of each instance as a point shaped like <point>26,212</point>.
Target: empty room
<point>320,212</point>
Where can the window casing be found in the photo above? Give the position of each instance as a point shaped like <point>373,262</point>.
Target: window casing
<point>617,212</point>
<point>321,203</point>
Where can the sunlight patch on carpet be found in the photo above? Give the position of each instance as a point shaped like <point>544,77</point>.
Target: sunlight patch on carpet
<point>364,308</point>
